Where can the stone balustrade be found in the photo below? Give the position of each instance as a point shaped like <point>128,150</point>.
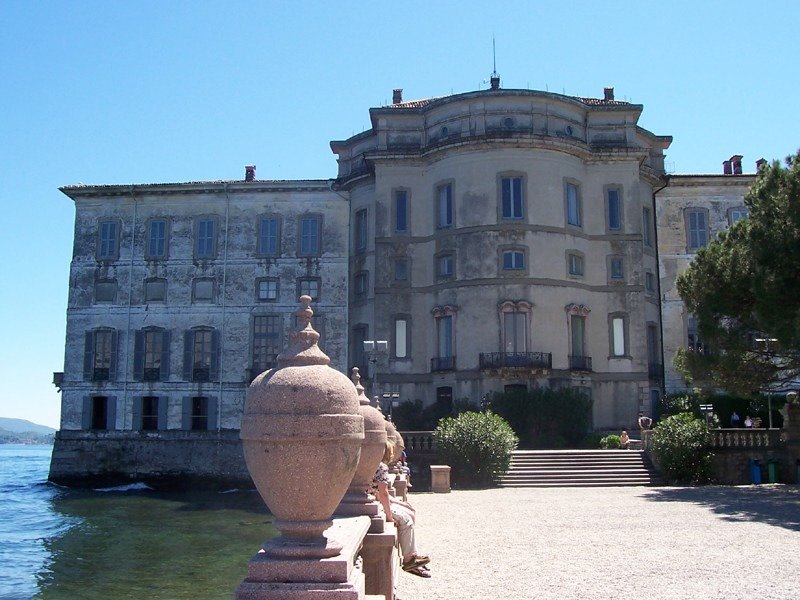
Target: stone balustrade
<point>419,441</point>
<point>746,438</point>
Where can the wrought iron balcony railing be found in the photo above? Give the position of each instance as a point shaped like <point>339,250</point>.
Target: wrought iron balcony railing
<point>516,360</point>
<point>443,363</point>
<point>580,363</point>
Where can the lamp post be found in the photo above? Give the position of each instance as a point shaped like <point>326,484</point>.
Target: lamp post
<point>374,350</point>
<point>393,398</point>
<point>766,342</point>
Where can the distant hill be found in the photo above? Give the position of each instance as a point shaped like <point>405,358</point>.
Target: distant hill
<point>23,426</point>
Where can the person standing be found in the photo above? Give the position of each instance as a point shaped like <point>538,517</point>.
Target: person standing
<point>645,422</point>
<point>735,420</point>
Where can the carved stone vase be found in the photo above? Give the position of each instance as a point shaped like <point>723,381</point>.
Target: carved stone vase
<point>302,436</point>
<point>357,500</point>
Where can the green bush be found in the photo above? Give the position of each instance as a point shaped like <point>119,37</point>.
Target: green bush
<point>610,442</point>
<point>413,416</point>
<point>477,446</point>
<point>681,446</point>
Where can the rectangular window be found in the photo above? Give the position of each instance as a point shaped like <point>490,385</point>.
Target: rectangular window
<point>361,283</point>
<point>107,247</point>
<point>649,282</point>
<point>99,409</point>
<point>578,327</point>
<point>149,413</point>
<point>511,188</point>
<point>614,210</point>
<point>444,332</point>
<point>267,290</point>
<point>206,234</point>
<point>617,270</point>
<point>515,332</point>
<point>513,260</point>
<point>103,352</point>
<point>647,227</point>
<point>309,287</point>
<point>361,230</point>
<point>309,235</point>
<point>445,265</point>
<point>199,415</point>
<point>203,290</point>
<point>268,236</point>
<point>444,205</point>
<point>202,350</point>
<point>157,239</point>
<point>266,342</point>
<point>401,269</point>
<point>698,229</point>
<point>401,211</point>
<point>105,290</point>
<point>575,264</point>
<point>400,338</point>
<point>573,199</point>
<point>155,290</point>
<point>153,353</point>
<point>618,333</point>
<point>737,214</point>
<point>695,344</point>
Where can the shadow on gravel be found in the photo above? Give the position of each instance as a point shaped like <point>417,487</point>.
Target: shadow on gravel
<point>777,505</point>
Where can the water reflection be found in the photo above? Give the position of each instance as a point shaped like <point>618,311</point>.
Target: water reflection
<point>145,544</point>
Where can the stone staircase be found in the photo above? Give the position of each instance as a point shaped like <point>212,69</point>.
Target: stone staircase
<point>579,468</point>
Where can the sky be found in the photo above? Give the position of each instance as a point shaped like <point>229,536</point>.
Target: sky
<point>105,92</point>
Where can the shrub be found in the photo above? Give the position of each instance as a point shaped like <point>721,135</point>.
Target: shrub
<point>610,442</point>
<point>476,445</point>
<point>681,446</point>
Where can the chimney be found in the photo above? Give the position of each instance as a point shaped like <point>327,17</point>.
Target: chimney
<point>761,163</point>
<point>736,163</point>
<point>726,167</point>
<point>250,173</point>
<point>495,81</point>
<point>608,93</point>
<point>397,96</point>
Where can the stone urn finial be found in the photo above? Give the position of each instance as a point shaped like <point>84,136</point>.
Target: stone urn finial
<point>357,501</point>
<point>302,435</point>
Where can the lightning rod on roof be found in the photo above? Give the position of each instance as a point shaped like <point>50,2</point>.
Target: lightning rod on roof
<point>495,79</point>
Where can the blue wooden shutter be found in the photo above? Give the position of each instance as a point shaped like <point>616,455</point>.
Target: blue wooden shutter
<point>186,413</point>
<point>165,339</point>
<point>111,413</point>
<point>137,412</point>
<point>213,413</point>
<point>112,371</point>
<point>215,350</point>
<point>188,337</point>
<point>88,356</point>
<point>163,404</point>
<point>138,355</point>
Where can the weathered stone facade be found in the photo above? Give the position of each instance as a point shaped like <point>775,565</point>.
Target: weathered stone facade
<point>503,238</point>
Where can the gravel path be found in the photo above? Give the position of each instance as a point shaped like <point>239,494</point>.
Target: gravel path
<point>618,543</point>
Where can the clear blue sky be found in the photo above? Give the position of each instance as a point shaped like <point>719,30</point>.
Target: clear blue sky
<point>137,92</point>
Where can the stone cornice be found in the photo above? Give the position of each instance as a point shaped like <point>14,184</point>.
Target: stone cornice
<point>198,187</point>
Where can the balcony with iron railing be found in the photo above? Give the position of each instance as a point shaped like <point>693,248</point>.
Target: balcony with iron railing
<point>580,363</point>
<point>443,363</point>
<point>515,360</point>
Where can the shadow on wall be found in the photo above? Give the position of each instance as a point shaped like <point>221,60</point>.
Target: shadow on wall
<point>777,505</point>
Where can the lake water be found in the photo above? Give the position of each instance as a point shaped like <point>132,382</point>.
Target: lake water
<point>58,543</point>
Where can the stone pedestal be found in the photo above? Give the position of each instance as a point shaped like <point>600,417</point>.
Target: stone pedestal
<point>340,577</point>
<point>381,562</point>
<point>440,479</point>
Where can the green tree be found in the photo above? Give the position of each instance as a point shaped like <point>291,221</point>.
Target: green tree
<point>743,290</point>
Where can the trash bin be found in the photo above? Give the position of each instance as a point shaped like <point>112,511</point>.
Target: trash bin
<point>755,471</point>
<point>772,471</point>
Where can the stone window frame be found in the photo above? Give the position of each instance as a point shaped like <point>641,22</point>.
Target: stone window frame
<point>408,338</point>
<point>143,369</point>
<point>148,250</point>
<point>161,412</point>
<point>301,219</point>
<point>301,281</point>
<point>407,261</point>
<point>618,188</point>
<point>209,360</point>
<point>102,253</point>
<point>687,212</point>
<point>360,230</point>
<point>106,368</point>
<point>88,416</point>
<point>610,260</point>
<point>208,417</point>
<point>256,337</point>
<point>396,211</point>
<point>260,252</point>
<point>107,281</point>
<point>361,284</point>
<point>737,209</point>
<point>650,276</point>
<point>625,317</point>
<point>523,177</point>
<point>198,221</point>
<point>514,249</point>
<point>261,280</point>
<point>582,311</point>
<point>437,190</point>
<point>647,227</point>
<point>440,259</point>
<point>567,183</point>
<point>515,307</point>
<point>152,280</point>
<point>574,257</point>
<point>439,312</point>
<point>203,300</point>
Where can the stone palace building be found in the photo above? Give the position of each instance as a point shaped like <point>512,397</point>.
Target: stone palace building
<point>496,239</point>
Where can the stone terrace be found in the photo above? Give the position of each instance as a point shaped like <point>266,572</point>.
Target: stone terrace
<point>621,543</point>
